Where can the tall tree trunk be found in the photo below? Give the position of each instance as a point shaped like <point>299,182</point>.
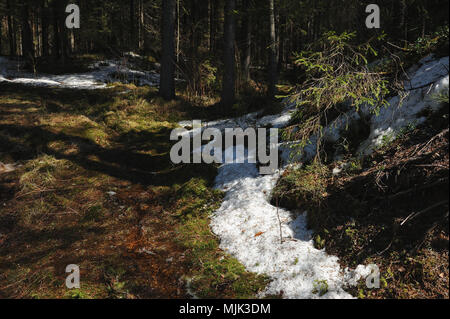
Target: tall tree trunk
<point>167,85</point>
<point>27,35</point>
<point>133,36</point>
<point>247,29</point>
<point>211,25</point>
<point>44,26</point>
<point>273,52</point>
<point>11,30</point>
<point>141,25</point>
<point>56,51</point>
<point>228,88</point>
<point>1,34</point>
<point>281,44</point>
<point>60,34</point>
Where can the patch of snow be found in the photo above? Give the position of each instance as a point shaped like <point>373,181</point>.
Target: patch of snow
<point>248,225</point>
<point>101,73</point>
<point>294,266</point>
<point>429,79</point>
<point>352,277</point>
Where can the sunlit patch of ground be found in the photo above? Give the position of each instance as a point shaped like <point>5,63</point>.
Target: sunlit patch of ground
<point>94,186</point>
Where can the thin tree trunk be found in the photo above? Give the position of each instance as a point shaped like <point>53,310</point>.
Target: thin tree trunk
<point>167,85</point>
<point>1,34</point>
<point>273,52</point>
<point>228,88</point>
<point>133,25</point>
<point>141,26</point>
<point>11,31</point>
<point>27,35</point>
<point>246,61</point>
<point>281,44</point>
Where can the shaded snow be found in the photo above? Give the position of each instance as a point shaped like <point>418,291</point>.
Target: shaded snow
<point>101,73</point>
<point>429,79</point>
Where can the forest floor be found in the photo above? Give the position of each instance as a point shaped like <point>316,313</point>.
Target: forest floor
<point>88,181</point>
<point>92,185</point>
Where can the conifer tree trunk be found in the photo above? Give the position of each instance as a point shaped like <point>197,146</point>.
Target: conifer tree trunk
<point>273,52</point>
<point>228,86</point>
<point>11,30</point>
<point>167,85</point>
<point>44,26</point>
<point>247,28</point>
<point>27,35</point>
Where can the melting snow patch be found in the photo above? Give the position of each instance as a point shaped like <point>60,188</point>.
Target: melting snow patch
<point>248,227</point>
<point>430,79</point>
<point>101,73</point>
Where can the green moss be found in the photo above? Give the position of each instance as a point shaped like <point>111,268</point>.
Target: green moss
<point>214,273</point>
<point>94,213</point>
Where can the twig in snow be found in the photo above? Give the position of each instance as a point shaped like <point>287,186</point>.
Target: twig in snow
<point>278,213</point>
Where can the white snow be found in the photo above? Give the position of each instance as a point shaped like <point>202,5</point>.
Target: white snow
<point>427,78</point>
<point>430,78</point>
<point>248,226</point>
<point>101,73</point>
<point>294,266</point>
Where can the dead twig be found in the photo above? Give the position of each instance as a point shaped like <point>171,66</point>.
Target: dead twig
<point>411,190</point>
<point>426,210</point>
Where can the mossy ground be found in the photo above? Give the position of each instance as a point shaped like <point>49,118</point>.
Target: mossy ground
<point>95,187</point>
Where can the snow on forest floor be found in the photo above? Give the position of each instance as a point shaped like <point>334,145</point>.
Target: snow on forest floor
<point>426,79</point>
<point>246,223</point>
<point>99,75</point>
<point>249,226</point>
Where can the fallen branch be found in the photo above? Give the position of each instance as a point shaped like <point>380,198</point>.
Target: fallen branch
<point>432,140</point>
<point>406,192</point>
<point>426,210</point>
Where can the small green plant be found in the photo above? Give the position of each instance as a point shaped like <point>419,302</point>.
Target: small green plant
<point>387,140</point>
<point>441,98</point>
<point>361,294</point>
<point>76,294</point>
<point>320,287</point>
<point>94,213</point>
<point>430,42</point>
<point>319,242</point>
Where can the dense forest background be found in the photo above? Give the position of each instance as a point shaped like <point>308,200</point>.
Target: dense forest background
<point>258,38</point>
